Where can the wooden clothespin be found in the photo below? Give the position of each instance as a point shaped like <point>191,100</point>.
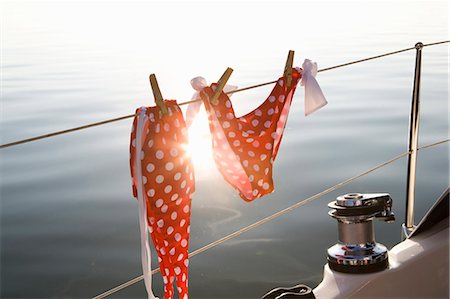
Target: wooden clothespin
<point>220,85</point>
<point>288,68</point>
<point>157,94</point>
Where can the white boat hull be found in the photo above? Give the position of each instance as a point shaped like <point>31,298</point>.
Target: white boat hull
<point>418,268</point>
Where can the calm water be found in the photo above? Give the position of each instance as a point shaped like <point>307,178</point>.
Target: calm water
<point>69,225</point>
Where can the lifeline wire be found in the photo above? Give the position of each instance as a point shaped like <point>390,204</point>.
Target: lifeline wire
<point>270,217</point>
<point>188,102</point>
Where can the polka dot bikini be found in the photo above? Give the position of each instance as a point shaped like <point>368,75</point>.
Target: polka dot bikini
<point>163,177</point>
<point>167,184</point>
<point>245,148</point>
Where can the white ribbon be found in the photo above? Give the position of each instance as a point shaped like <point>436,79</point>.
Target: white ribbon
<point>145,245</point>
<point>198,83</point>
<point>314,98</point>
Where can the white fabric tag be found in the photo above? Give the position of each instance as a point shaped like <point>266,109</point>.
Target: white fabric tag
<point>314,98</point>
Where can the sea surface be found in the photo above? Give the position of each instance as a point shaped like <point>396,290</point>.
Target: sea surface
<point>69,223</point>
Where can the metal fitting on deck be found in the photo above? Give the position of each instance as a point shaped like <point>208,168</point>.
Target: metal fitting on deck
<point>357,250</point>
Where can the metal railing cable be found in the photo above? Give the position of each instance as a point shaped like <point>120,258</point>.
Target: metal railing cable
<point>433,144</point>
<point>188,102</point>
<point>271,217</point>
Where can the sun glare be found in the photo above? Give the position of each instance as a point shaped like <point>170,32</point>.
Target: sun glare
<point>200,145</point>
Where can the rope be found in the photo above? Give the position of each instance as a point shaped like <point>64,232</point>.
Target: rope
<point>366,59</point>
<point>66,131</point>
<point>269,218</point>
<point>436,43</point>
<point>433,144</point>
<point>188,102</point>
